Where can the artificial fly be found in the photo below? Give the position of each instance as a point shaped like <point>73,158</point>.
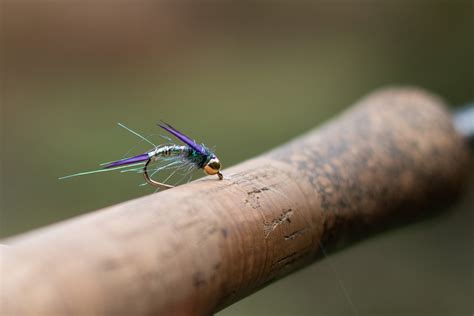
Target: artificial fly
<point>185,157</point>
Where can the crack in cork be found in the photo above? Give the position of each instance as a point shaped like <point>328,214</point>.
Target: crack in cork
<point>269,227</point>
<point>295,234</point>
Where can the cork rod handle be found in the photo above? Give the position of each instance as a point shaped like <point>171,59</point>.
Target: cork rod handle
<point>194,249</point>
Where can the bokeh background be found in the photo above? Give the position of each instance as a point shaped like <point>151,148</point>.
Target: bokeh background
<point>245,76</point>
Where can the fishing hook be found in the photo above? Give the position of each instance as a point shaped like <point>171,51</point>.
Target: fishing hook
<point>153,182</point>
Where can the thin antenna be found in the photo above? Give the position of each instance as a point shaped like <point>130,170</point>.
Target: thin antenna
<point>136,134</point>
<point>97,171</point>
<point>339,280</point>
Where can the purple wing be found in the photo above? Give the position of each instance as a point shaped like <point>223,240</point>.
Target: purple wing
<point>127,161</point>
<point>185,139</point>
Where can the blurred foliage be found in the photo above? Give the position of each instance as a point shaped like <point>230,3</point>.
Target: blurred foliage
<point>246,77</point>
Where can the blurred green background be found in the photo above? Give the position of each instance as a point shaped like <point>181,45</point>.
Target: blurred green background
<point>245,76</point>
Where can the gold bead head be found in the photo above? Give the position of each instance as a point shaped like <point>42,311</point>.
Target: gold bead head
<point>213,166</point>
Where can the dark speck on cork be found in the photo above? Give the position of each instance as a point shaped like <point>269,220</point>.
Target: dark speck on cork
<point>224,232</point>
<point>198,280</point>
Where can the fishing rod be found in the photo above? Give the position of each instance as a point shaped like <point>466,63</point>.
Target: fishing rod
<point>393,157</point>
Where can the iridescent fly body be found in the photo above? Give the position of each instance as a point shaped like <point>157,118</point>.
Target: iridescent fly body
<point>189,156</point>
